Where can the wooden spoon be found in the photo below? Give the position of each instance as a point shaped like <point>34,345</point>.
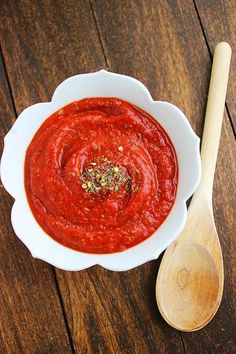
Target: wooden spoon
<point>190,280</point>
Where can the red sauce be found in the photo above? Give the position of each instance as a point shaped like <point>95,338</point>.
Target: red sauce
<point>100,175</point>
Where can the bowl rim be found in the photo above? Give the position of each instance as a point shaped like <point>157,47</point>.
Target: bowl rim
<point>171,118</point>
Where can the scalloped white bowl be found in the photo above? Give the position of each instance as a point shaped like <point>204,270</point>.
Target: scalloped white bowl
<point>99,84</point>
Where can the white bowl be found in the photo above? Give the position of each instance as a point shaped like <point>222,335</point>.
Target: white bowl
<point>99,84</point>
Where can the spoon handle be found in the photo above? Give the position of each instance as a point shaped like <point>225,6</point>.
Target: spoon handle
<point>214,114</point>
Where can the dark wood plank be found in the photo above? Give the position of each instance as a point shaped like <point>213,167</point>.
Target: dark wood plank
<point>218,18</point>
<point>155,42</point>
<point>113,312</point>
<point>43,43</point>
<point>152,41</point>
<point>98,324</point>
<point>162,44</point>
<point>31,316</point>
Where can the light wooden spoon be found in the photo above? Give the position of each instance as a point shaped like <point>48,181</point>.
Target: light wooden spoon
<point>190,280</point>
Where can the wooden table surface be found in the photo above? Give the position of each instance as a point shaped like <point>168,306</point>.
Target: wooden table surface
<point>168,45</point>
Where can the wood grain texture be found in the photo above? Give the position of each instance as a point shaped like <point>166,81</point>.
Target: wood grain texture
<point>43,43</point>
<point>116,312</point>
<point>218,19</point>
<point>153,41</point>
<point>31,316</point>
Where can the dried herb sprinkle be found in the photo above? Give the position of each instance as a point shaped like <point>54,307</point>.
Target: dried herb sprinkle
<point>102,176</point>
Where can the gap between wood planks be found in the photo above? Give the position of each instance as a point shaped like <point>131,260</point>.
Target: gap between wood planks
<point>8,81</point>
<point>211,56</point>
<point>108,64</point>
<point>63,311</point>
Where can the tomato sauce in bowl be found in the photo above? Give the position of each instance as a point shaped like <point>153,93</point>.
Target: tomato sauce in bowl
<point>101,175</point>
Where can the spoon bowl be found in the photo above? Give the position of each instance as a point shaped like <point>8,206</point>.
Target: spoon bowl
<point>182,280</point>
<point>190,280</point>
